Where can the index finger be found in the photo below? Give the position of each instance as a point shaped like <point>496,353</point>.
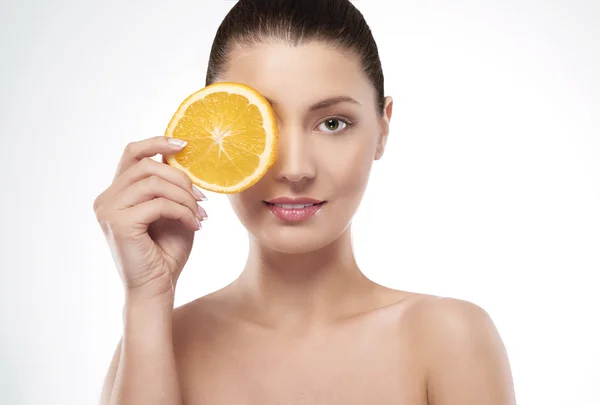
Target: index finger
<point>136,151</point>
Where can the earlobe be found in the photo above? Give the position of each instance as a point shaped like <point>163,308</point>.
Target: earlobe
<point>380,146</point>
<point>381,143</point>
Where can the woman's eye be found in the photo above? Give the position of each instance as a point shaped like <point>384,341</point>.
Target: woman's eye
<point>333,125</point>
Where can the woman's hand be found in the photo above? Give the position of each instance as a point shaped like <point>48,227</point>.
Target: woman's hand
<point>149,215</point>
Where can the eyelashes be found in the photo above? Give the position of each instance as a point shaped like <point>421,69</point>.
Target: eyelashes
<point>326,125</point>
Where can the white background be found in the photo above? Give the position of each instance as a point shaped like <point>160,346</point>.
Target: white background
<point>489,190</point>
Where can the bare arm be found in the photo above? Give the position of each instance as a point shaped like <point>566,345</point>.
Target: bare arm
<point>468,363</point>
<point>146,193</point>
<point>109,380</point>
<point>143,369</point>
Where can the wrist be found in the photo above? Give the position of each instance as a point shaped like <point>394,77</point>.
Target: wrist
<point>156,291</point>
<point>139,302</point>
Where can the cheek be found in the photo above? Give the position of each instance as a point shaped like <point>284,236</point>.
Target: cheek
<point>245,205</point>
<point>350,168</point>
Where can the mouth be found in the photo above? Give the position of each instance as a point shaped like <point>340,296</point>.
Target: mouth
<point>294,210</point>
<point>294,206</point>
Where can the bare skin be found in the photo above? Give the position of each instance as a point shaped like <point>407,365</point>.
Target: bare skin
<point>401,348</point>
<point>383,354</point>
<point>302,324</point>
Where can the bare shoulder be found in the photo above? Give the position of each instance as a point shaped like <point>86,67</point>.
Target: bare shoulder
<point>463,352</point>
<point>449,326</point>
<point>449,317</point>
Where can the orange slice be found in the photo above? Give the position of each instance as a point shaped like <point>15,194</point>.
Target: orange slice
<point>232,137</point>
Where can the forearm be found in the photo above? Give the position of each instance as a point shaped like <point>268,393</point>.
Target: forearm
<point>147,373</point>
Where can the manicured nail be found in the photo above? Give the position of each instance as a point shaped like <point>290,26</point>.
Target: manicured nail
<point>198,223</point>
<point>202,214</point>
<point>180,143</point>
<point>198,193</point>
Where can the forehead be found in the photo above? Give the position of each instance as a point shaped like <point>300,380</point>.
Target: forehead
<point>298,75</point>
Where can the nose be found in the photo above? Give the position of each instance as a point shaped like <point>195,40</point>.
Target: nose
<point>295,161</point>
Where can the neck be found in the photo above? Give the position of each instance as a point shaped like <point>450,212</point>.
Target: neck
<point>297,290</point>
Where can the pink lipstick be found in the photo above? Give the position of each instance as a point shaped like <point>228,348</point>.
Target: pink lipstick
<point>294,209</point>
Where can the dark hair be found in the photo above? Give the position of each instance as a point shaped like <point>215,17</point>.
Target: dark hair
<point>336,22</point>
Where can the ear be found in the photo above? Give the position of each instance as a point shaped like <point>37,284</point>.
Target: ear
<point>384,127</point>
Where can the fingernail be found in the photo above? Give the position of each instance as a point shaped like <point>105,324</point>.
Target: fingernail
<point>198,223</point>
<point>202,213</point>
<point>198,193</point>
<point>180,143</point>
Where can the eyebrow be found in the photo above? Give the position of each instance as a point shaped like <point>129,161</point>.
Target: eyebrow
<point>327,102</point>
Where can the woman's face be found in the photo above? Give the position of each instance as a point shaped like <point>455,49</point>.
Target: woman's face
<point>326,144</point>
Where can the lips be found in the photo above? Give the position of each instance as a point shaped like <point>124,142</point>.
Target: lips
<point>294,206</point>
<point>297,200</point>
<point>294,209</point>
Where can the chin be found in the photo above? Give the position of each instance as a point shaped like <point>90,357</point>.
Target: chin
<point>289,242</point>
<point>296,239</point>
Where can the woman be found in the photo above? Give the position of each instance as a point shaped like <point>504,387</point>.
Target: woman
<point>302,324</point>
